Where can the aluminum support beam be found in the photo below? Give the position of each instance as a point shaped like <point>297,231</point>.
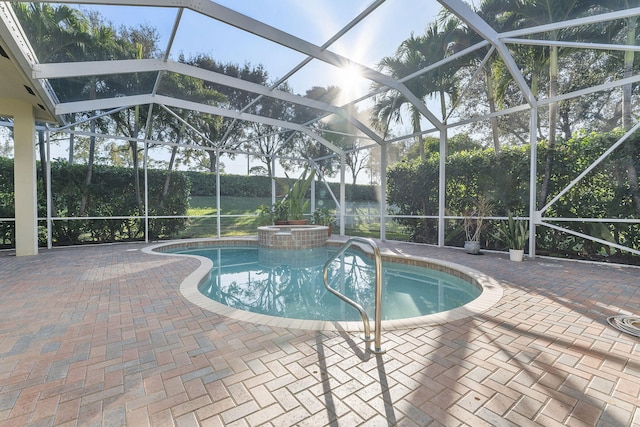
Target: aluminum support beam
<point>94,68</point>
<point>462,11</point>
<point>442,188</point>
<point>383,191</point>
<point>587,20</point>
<point>195,106</point>
<point>533,173</point>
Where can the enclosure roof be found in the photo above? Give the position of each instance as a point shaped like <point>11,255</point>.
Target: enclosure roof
<point>302,44</point>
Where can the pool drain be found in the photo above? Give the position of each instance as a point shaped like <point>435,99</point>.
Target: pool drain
<point>626,324</point>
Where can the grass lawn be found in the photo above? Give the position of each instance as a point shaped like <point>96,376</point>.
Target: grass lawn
<point>205,205</point>
<point>246,222</point>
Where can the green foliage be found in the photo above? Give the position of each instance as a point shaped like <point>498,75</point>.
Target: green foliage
<point>456,143</point>
<point>265,215</point>
<point>357,193</point>
<point>412,189</point>
<point>279,211</point>
<point>296,192</point>
<point>323,216</point>
<point>204,184</point>
<point>513,232</point>
<point>176,203</point>
<point>103,201</point>
<point>111,196</point>
<point>7,202</point>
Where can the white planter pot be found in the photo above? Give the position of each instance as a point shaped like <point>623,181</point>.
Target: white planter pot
<point>516,254</point>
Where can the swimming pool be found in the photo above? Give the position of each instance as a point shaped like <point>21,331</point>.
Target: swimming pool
<point>288,283</point>
<point>285,287</point>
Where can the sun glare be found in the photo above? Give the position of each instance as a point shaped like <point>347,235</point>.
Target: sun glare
<point>350,80</point>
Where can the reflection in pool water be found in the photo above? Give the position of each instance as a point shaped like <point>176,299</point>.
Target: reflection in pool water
<point>288,283</point>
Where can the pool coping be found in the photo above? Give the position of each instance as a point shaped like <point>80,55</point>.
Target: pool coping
<point>492,291</point>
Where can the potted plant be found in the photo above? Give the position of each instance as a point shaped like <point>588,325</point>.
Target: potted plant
<point>323,216</point>
<point>515,234</point>
<point>296,198</point>
<point>474,223</point>
<point>274,214</point>
<point>280,211</point>
<point>265,215</point>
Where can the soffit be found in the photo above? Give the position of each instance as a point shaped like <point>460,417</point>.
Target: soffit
<point>15,85</point>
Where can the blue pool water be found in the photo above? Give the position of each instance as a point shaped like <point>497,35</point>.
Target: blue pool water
<point>288,283</point>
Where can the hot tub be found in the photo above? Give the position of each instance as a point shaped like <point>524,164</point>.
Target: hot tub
<point>292,236</point>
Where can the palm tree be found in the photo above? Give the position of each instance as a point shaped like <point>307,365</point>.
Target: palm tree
<point>102,45</point>
<point>414,54</point>
<point>388,107</point>
<point>624,31</point>
<point>58,34</point>
<point>496,76</point>
<point>627,33</point>
<point>530,13</point>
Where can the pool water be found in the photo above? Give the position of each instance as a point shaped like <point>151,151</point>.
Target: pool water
<point>288,283</point>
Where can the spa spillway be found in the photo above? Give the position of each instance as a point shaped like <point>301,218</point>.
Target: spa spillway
<point>292,236</point>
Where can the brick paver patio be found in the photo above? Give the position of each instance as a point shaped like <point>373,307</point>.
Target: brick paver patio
<point>101,335</point>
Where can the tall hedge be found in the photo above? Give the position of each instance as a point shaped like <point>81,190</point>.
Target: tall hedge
<point>504,177</point>
<point>7,202</point>
<point>204,184</point>
<point>111,193</point>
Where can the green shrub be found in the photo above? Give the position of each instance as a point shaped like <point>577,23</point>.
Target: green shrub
<point>204,184</point>
<point>412,189</point>
<point>111,194</point>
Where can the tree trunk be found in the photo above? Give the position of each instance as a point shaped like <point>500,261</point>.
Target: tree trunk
<point>167,180</point>
<point>491,96</point>
<point>565,124</point>
<point>71,146</point>
<point>417,129</point>
<point>495,132</point>
<point>627,122</point>
<point>87,181</point>
<point>92,146</point>
<point>213,160</point>
<point>136,175</point>
<point>136,162</point>
<point>71,149</point>
<point>629,57</point>
<point>443,111</point>
<point>553,118</point>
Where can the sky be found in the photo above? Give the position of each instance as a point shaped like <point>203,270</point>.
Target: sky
<point>379,35</point>
<point>316,21</point>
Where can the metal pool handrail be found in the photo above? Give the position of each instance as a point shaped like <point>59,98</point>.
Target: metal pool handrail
<point>378,291</point>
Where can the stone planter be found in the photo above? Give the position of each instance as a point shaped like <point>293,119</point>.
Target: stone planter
<point>472,247</point>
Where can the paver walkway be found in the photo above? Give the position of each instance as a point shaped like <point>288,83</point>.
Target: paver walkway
<point>101,335</point>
